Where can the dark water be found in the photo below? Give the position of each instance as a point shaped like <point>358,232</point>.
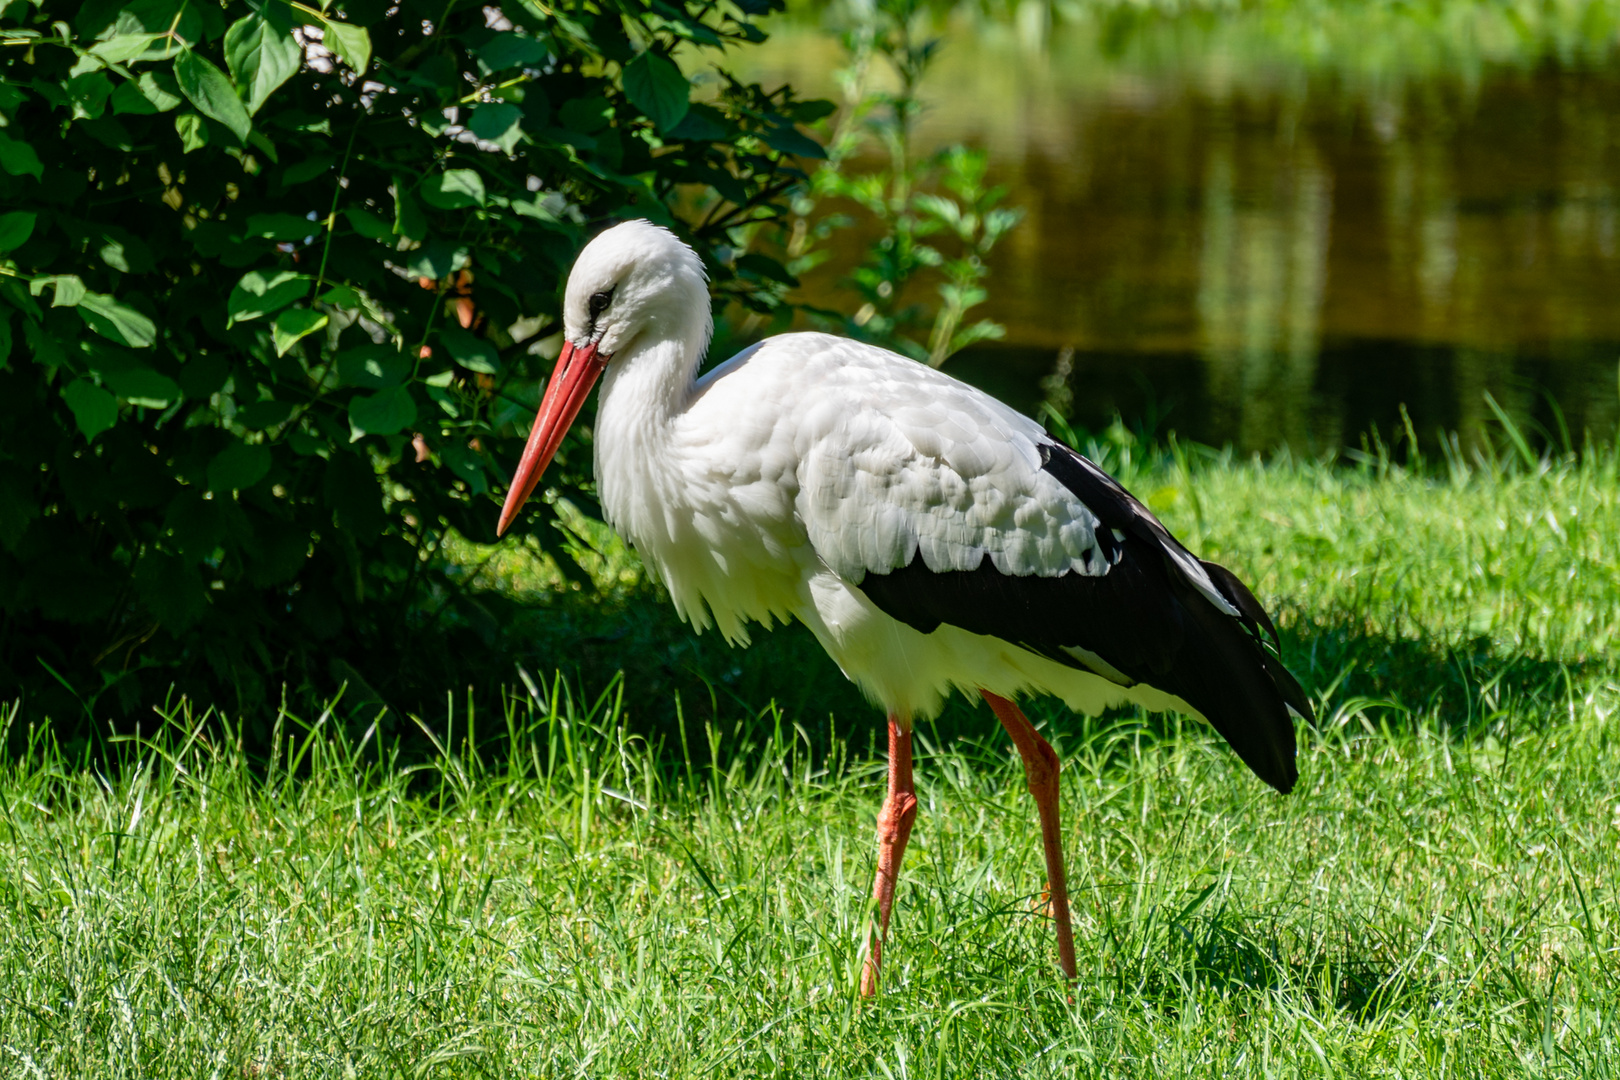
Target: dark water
<point>1266,258</point>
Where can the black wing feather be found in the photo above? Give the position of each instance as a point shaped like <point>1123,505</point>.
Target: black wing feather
<point>1143,618</point>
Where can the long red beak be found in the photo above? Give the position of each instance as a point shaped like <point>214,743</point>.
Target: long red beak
<point>577,371</point>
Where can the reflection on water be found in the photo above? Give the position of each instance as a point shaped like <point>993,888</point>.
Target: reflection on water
<point>1272,255</point>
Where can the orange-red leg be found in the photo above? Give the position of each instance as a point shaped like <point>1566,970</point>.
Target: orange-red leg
<point>894,829</point>
<point>1041,771</point>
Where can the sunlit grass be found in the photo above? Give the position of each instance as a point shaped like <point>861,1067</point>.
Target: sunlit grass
<point>1519,560</point>
<point>554,894</point>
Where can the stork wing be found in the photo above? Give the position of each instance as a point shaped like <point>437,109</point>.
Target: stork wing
<point>932,470</point>
<point>962,512</point>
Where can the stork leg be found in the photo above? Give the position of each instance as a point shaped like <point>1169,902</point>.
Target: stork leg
<point>1041,772</point>
<point>894,829</point>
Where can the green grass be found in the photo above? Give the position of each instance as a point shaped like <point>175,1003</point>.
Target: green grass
<point>584,895</point>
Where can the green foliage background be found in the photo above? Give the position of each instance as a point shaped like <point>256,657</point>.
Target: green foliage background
<point>270,277</point>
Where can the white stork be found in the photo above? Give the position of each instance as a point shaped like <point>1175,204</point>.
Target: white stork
<point>931,538</point>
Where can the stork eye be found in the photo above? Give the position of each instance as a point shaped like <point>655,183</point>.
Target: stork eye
<point>599,302</point>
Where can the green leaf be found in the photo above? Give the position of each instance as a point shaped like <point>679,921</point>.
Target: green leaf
<point>258,141</point>
<point>585,115</point>
<point>153,92</point>
<point>69,289</point>
<point>702,123</point>
<point>467,465</point>
<point>15,229</point>
<point>541,209</point>
<point>500,124</point>
<point>261,53</point>
<point>192,131</point>
<point>291,119</point>
<point>766,267</point>
<point>656,86</point>
<point>409,221</point>
<point>19,159</point>
<point>13,293</point>
<point>342,296</point>
<point>44,346</point>
<point>140,385</point>
<point>121,48</point>
<point>385,413</point>
<point>110,133</point>
<point>808,112</point>
<point>789,140</point>
<point>293,325</point>
<point>373,367</point>
<point>187,21</point>
<point>264,414</point>
<point>260,293</point>
<point>436,260</point>
<point>124,251</point>
<point>470,351</point>
<point>238,467</point>
<point>88,94</point>
<point>206,87</point>
<point>454,189</point>
<point>351,44</point>
<point>368,225</point>
<point>94,410</point>
<point>117,322</point>
<point>281,226</point>
<point>510,50</point>
<point>309,169</point>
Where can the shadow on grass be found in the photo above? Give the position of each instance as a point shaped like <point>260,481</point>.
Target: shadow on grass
<point>1173,947</point>
<point>695,696</point>
<point>1354,968</point>
<point>674,678</point>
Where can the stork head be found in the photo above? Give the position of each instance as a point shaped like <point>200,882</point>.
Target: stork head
<point>636,282</point>
<point>636,278</point>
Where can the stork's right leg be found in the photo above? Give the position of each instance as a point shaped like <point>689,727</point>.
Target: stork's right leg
<point>894,829</point>
<point>1041,772</point>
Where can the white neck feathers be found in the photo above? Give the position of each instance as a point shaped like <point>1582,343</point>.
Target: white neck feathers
<point>644,391</point>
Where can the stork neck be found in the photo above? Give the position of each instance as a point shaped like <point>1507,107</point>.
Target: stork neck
<point>650,383</point>
<point>647,387</point>
<point>644,392</point>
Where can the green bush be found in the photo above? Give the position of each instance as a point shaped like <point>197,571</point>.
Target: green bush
<point>272,280</point>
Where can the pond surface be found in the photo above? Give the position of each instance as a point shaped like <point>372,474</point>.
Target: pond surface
<point>1255,248</point>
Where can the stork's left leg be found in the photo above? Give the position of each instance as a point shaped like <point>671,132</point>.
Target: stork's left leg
<point>1041,772</point>
<point>894,829</point>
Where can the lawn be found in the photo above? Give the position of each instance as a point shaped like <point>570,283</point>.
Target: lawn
<point>570,889</point>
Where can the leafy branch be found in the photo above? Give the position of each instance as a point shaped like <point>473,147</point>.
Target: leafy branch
<point>243,403</point>
<point>912,200</point>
